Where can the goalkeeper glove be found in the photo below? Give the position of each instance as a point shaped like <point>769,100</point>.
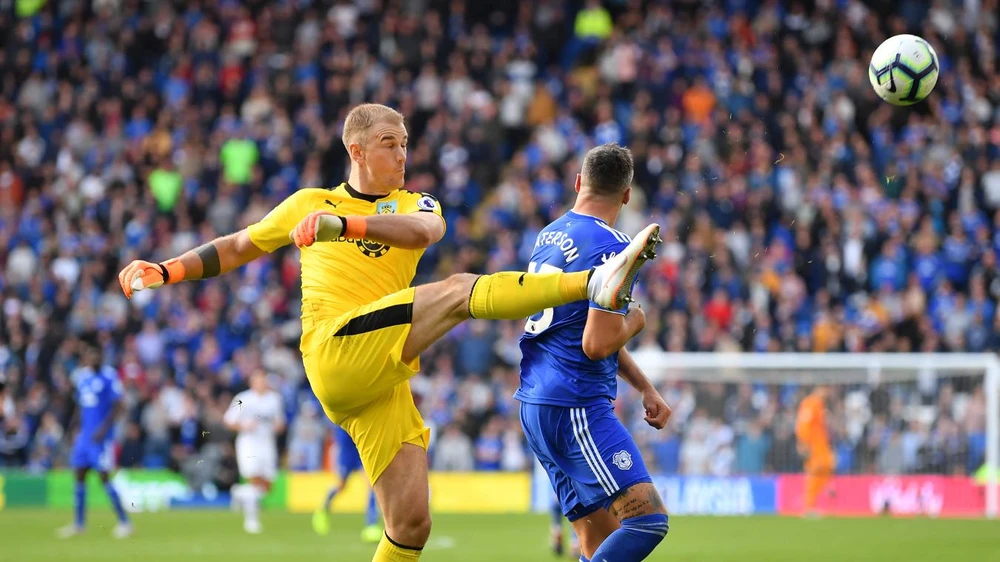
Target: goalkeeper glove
<point>141,274</point>
<point>318,226</point>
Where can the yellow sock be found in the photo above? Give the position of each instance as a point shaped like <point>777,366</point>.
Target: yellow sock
<point>389,552</point>
<point>514,295</point>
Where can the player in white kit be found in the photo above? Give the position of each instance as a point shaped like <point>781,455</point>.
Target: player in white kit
<point>258,416</point>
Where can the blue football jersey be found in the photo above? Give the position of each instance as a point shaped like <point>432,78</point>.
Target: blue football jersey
<point>554,369</point>
<point>348,458</point>
<point>96,394</point>
<point>343,438</point>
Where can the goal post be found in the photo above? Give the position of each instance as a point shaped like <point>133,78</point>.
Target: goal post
<point>913,381</point>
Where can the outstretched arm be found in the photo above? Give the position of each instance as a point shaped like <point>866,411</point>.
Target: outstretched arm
<point>223,254</point>
<point>219,256</point>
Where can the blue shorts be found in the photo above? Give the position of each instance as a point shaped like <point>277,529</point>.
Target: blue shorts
<point>348,458</point>
<point>588,454</point>
<point>96,456</point>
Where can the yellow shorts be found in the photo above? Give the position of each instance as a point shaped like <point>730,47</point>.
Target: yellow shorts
<point>355,367</point>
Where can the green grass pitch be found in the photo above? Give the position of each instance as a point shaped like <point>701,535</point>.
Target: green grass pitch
<point>216,536</point>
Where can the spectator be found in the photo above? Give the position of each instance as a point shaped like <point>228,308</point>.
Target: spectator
<point>752,450</point>
<point>47,449</point>
<point>166,185</point>
<point>515,456</point>
<point>890,458</point>
<point>783,456</point>
<point>306,439</point>
<point>490,446</point>
<point>593,21</point>
<point>13,441</point>
<point>131,455</point>
<point>453,451</point>
<point>239,155</point>
<point>799,212</point>
<point>696,450</point>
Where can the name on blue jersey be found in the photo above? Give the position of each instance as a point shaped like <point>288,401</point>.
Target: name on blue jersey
<point>566,244</point>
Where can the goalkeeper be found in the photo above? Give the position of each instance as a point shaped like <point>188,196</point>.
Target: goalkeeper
<point>814,445</point>
<point>363,326</point>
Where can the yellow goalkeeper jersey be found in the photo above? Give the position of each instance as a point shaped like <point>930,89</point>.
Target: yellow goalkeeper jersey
<point>342,275</point>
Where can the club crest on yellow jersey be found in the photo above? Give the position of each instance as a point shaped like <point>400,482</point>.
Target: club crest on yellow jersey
<point>371,248</point>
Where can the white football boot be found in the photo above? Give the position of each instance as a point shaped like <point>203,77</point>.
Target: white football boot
<point>123,530</point>
<point>610,285</point>
<point>69,531</point>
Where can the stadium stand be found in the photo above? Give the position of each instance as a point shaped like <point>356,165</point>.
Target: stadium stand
<point>799,212</point>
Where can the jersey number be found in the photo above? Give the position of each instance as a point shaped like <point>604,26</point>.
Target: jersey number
<point>536,327</point>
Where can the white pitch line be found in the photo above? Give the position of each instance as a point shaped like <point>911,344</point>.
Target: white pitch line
<point>441,543</point>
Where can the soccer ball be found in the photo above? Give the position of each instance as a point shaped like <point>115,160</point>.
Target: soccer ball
<point>904,69</point>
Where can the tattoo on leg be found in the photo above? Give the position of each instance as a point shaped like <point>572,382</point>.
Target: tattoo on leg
<point>654,498</point>
<point>631,507</point>
<point>634,504</point>
<point>210,265</point>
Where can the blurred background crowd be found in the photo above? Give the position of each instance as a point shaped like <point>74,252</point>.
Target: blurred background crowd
<point>800,212</point>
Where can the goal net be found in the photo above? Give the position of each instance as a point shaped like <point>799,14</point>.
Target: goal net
<point>911,434</point>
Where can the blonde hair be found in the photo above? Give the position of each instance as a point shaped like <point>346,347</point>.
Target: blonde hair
<point>362,118</point>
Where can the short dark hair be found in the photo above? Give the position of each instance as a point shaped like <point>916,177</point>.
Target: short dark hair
<point>608,169</point>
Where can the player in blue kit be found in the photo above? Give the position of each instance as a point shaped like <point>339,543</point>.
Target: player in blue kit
<point>556,542</point>
<point>98,397</point>
<point>572,355</point>
<point>348,462</point>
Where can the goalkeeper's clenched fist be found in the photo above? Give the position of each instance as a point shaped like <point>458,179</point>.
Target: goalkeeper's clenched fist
<point>321,226</point>
<point>141,274</point>
<point>208,260</point>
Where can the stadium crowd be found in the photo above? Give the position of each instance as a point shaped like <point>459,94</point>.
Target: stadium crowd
<point>799,211</point>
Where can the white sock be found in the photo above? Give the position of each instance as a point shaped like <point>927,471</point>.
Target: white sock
<point>251,508</point>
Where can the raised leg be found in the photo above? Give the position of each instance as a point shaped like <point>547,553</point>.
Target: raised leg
<point>439,307</point>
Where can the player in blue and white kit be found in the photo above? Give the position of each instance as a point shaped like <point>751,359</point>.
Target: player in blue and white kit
<point>571,357</point>
<point>348,462</point>
<point>98,397</point>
